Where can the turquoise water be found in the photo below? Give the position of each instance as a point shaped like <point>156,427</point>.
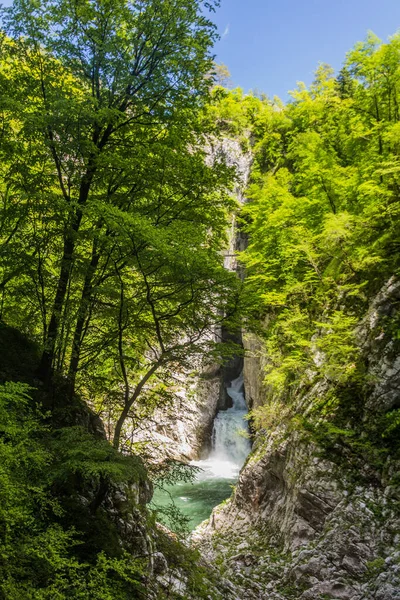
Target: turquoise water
<point>195,500</point>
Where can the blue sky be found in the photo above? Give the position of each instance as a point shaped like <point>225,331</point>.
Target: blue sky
<point>269,45</point>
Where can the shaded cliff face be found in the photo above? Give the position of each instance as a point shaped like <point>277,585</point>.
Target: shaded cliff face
<point>313,519</point>
<point>182,430</point>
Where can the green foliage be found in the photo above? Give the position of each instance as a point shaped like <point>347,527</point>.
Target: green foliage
<point>363,445</point>
<point>337,342</point>
<point>323,227</point>
<point>165,474</point>
<point>392,423</point>
<point>269,416</point>
<point>113,220</point>
<point>40,549</point>
<point>322,216</point>
<point>80,455</point>
<point>375,567</point>
<point>173,518</point>
<point>170,472</point>
<point>112,231</point>
<point>201,582</point>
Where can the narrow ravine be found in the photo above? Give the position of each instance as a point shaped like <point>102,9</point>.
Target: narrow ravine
<point>220,470</point>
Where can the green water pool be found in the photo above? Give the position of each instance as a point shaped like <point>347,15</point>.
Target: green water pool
<point>194,500</point>
<point>218,473</point>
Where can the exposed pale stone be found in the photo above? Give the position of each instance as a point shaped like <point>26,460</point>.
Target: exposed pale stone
<point>311,533</point>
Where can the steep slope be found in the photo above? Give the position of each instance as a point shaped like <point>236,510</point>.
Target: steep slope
<point>315,513</point>
<point>316,517</point>
<point>74,516</point>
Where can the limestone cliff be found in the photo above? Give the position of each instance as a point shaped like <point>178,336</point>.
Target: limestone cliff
<point>182,430</point>
<point>313,518</point>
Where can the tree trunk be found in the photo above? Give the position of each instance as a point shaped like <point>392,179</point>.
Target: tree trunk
<point>128,405</point>
<point>45,369</point>
<point>46,366</point>
<point>82,314</point>
<point>119,425</point>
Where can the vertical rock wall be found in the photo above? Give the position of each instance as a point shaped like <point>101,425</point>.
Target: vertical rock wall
<point>308,524</point>
<point>182,431</point>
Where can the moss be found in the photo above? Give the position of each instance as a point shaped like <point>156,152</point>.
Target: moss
<point>375,567</point>
<point>290,590</point>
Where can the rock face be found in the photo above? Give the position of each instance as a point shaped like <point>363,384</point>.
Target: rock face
<point>379,345</point>
<point>253,371</point>
<point>302,523</point>
<point>182,430</point>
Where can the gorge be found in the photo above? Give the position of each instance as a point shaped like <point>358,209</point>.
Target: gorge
<point>199,315</point>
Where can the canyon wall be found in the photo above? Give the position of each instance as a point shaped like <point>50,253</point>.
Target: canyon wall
<point>182,430</point>
<point>311,519</point>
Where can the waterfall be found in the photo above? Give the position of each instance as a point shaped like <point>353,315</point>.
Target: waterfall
<point>213,483</point>
<point>229,446</point>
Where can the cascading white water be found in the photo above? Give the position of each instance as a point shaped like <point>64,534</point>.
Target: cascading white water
<point>213,484</point>
<point>230,446</point>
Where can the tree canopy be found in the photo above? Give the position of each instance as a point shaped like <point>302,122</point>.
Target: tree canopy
<point>113,217</point>
<point>323,227</point>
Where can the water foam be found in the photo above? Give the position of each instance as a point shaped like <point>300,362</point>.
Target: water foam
<point>230,446</point>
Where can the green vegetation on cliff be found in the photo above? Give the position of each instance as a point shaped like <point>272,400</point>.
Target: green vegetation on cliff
<point>55,542</point>
<point>115,205</point>
<point>324,232</point>
<point>73,516</point>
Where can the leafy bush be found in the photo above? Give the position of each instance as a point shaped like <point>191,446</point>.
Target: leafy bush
<point>40,550</point>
